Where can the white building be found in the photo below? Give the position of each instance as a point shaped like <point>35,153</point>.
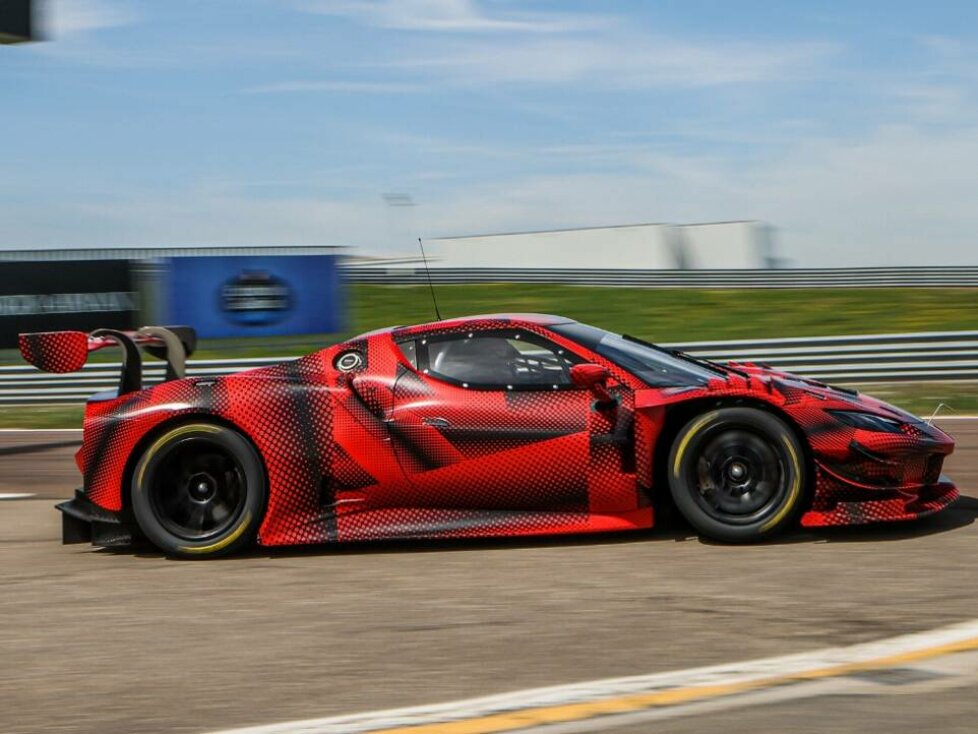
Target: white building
<point>718,245</point>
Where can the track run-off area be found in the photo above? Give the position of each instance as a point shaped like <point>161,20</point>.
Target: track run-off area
<point>853,630</point>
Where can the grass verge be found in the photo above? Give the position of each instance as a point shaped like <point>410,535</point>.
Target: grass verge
<point>923,398</point>
<point>41,416</point>
<point>658,314</point>
<point>678,315</point>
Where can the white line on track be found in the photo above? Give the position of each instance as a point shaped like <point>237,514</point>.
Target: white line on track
<point>15,495</point>
<point>541,707</point>
<point>921,678</point>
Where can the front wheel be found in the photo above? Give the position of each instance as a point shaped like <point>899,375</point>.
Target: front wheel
<point>199,490</point>
<point>737,474</point>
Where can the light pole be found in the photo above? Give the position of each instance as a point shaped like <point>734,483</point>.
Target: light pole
<point>401,225</point>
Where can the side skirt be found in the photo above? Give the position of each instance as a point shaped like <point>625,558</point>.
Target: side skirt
<point>415,523</point>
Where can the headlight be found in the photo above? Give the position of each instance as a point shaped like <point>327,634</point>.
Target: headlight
<point>866,421</point>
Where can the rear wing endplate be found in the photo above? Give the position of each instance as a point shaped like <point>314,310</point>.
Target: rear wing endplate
<point>67,351</point>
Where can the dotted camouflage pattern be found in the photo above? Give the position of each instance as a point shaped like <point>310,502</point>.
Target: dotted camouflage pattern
<point>55,351</point>
<point>356,455</point>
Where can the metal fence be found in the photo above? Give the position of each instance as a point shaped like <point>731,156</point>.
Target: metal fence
<point>844,359</point>
<point>957,277</point>
<point>868,358</point>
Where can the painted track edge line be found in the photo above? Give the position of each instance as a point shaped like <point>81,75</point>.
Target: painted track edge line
<point>578,701</point>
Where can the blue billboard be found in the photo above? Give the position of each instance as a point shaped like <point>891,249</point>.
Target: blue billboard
<point>253,295</point>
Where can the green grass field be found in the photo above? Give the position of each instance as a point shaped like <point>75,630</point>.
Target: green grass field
<point>658,314</point>
<point>664,315</point>
<point>688,315</point>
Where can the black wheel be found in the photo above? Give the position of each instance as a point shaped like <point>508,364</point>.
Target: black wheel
<point>737,474</point>
<point>199,490</point>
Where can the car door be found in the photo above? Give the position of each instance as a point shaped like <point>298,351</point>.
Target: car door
<point>491,421</point>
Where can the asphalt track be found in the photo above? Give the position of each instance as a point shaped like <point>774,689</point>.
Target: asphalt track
<point>110,642</point>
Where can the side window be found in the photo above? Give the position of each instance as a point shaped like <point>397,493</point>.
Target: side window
<point>500,360</point>
<point>410,351</point>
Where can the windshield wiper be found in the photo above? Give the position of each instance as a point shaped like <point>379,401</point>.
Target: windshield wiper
<point>720,369</point>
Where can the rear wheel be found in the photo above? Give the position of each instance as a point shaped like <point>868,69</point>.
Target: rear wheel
<point>199,490</point>
<point>737,474</point>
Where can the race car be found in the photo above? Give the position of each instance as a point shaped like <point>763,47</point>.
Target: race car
<point>495,425</point>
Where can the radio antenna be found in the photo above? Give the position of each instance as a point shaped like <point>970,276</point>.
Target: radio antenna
<point>431,286</point>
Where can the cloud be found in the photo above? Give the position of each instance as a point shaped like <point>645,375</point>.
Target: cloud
<point>903,195</point>
<point>470,43</point>
<point>65,18</point>
<point>897,196</point>
<point>855,164</point>
<point>365,87</point>
<point>445,16</point>
<point>473,45</point>
<point>621,60</point>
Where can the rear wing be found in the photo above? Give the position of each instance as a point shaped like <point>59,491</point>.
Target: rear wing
<point>67,351</point>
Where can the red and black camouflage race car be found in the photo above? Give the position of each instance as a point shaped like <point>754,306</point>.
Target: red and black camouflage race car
<point>481,426</point>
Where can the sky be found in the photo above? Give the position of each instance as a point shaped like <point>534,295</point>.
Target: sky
<point>852,128</point>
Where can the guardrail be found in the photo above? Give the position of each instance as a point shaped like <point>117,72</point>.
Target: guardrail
<point>866,358</point>
<point>936,276</point>
<point>844,359</point>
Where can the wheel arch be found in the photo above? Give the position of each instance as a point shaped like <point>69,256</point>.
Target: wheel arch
<point>679,414</point>
<point>170,423</point>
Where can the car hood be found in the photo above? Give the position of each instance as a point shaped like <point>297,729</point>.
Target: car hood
<point>852,399</point>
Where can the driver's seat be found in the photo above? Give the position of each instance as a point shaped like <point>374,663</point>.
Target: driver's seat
<point>482,360</point>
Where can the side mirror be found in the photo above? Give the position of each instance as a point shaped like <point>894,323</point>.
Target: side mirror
<point>593,377</point>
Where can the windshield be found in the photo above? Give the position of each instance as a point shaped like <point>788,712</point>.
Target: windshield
<point>656,368</point>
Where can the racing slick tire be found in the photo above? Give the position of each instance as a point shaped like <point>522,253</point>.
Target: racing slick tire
<point>199,491</point>
<point>737,474</point>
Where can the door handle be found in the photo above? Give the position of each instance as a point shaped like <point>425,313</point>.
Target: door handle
<point>436,422</point>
